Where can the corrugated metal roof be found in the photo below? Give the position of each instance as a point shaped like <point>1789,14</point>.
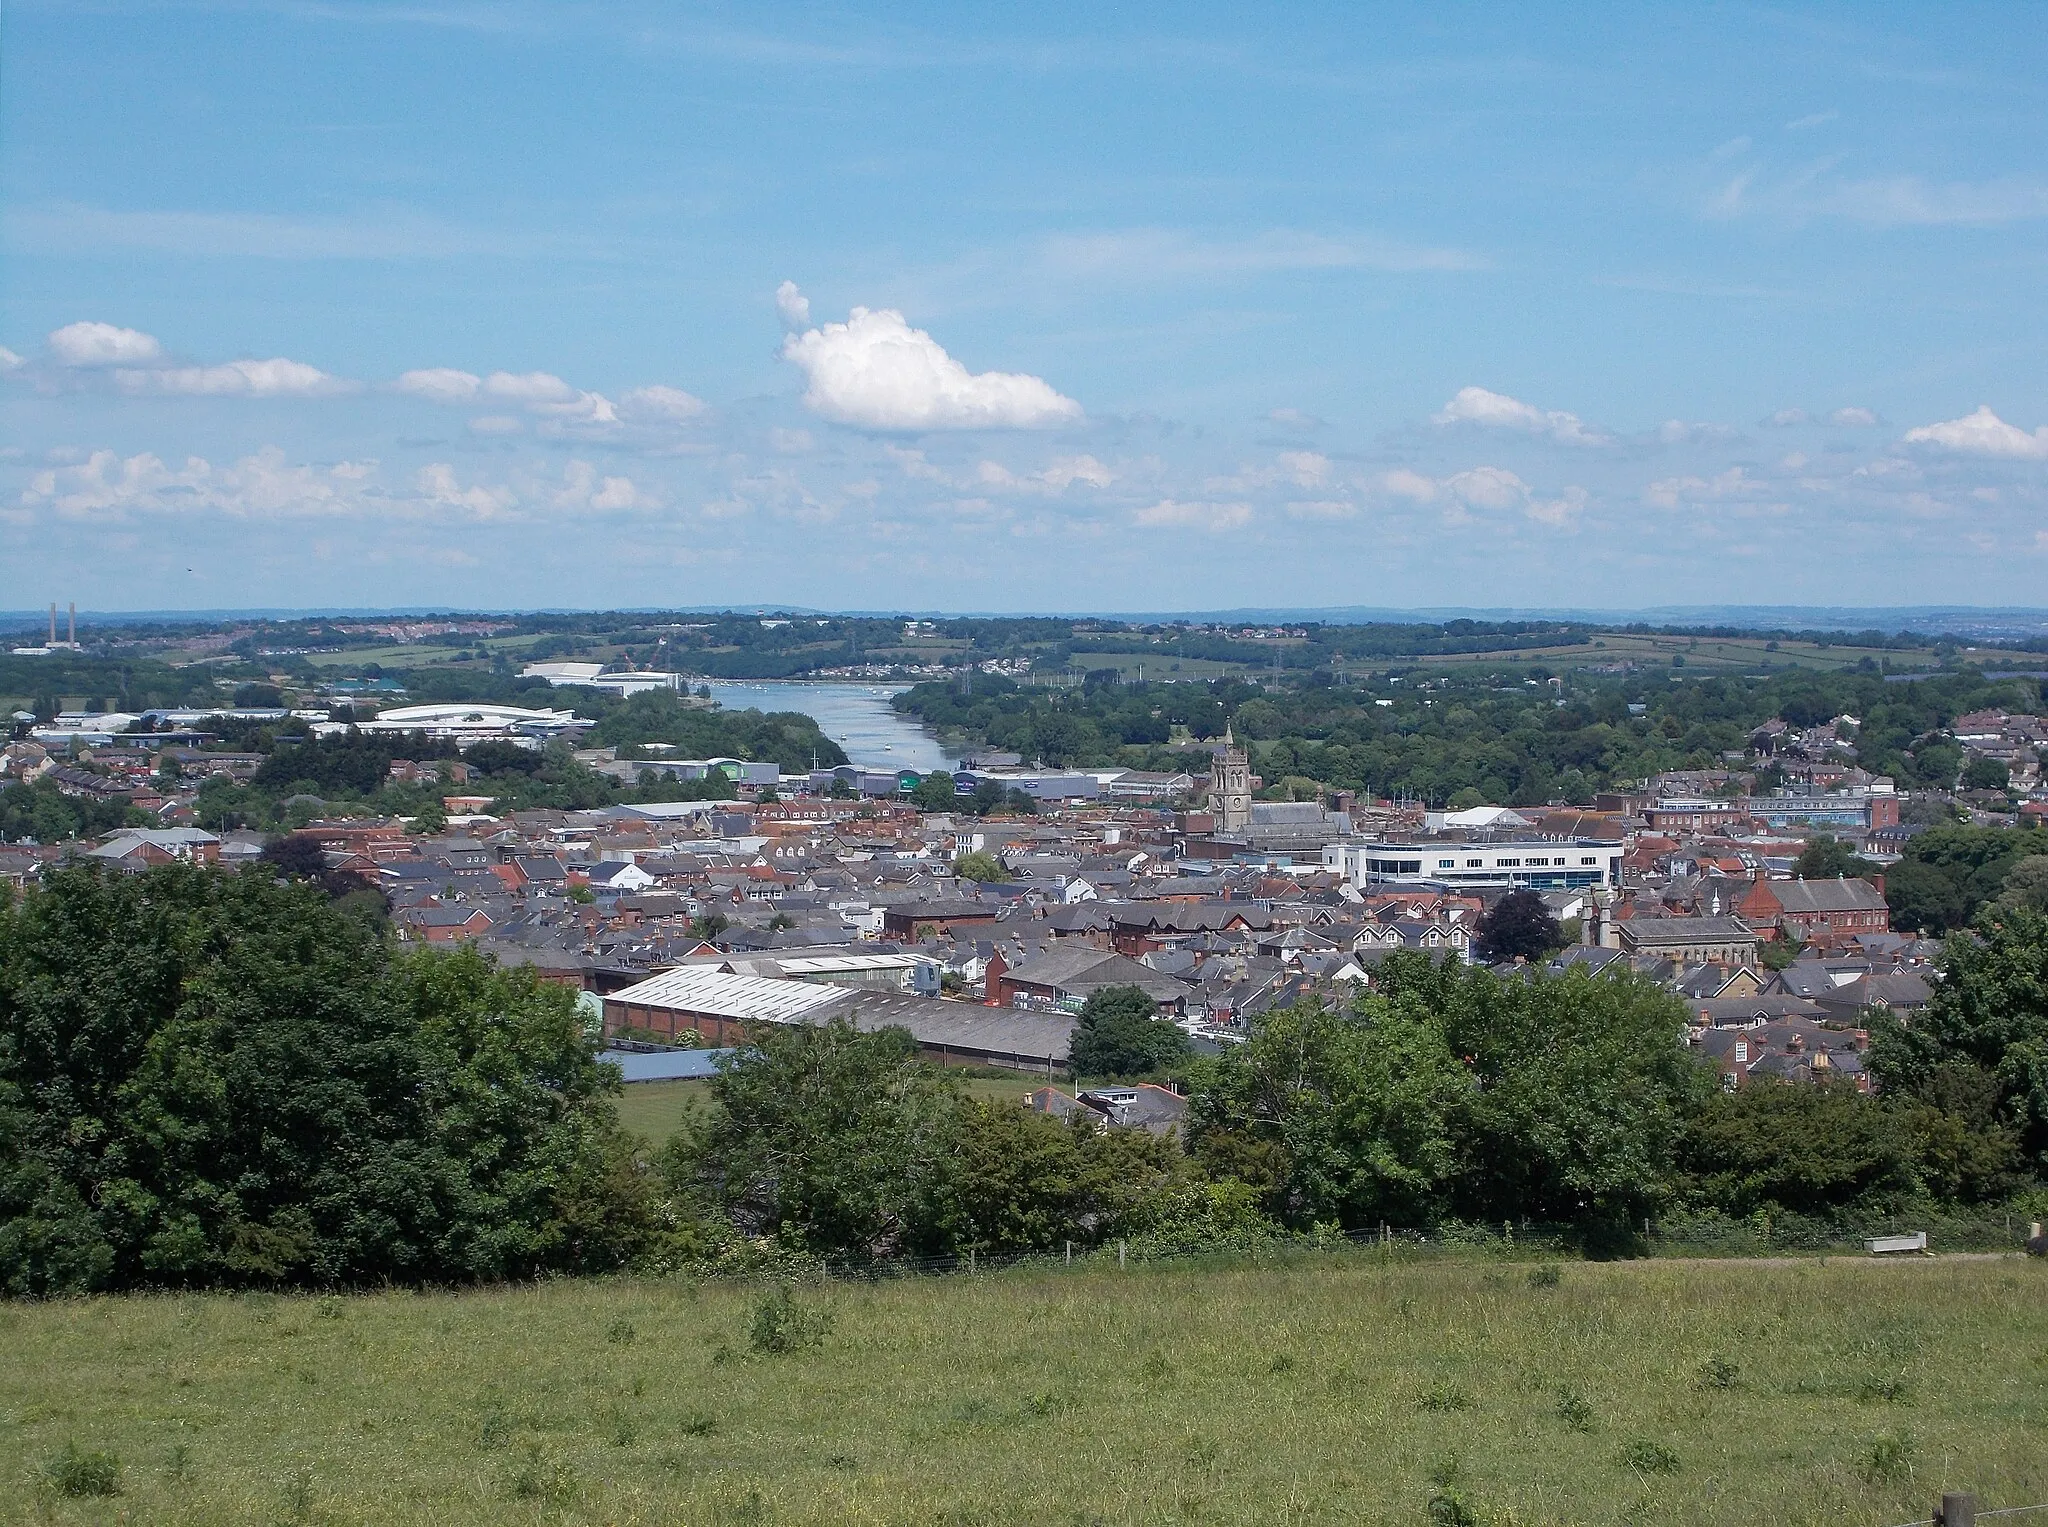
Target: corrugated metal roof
<point>698,989</point>
<point>1020,1033</point>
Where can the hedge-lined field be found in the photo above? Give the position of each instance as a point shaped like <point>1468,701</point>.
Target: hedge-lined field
<point>1328,1388</point>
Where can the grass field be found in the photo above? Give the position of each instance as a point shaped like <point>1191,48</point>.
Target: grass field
<point>657,1109</point>
<point>1326,1388</point>
<point>1719,654</point>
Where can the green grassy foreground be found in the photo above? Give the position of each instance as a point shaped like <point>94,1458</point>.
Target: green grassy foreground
<point>1325,1388</point>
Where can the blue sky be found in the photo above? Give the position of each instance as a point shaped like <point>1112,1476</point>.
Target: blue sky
<point>1077,307</point>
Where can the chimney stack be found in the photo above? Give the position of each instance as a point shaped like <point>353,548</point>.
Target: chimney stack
<point>53,622</point>
<point>73,638</point>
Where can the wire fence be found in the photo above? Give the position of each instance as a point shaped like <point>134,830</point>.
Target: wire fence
<point>1695,1238</point>
<point>1970,1513</point>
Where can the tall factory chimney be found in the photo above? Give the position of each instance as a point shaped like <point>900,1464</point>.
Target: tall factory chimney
<point>53,622</point>
<point>73,637</point>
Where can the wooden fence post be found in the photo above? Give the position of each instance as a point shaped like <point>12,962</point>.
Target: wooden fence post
<point>1120,1245</point>
<point>1070,1253</point>
<point>1958,1509</point>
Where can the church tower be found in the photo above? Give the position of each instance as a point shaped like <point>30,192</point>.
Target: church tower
<point>1230,786</point>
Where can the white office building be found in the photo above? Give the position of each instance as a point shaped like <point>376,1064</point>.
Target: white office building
<point>1536,866</point>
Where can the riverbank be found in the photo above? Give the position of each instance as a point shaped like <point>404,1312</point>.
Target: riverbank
<point>856,716</point>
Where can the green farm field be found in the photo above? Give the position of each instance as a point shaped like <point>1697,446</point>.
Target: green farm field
<point>1720,654</point>
<point>1332,1387</point>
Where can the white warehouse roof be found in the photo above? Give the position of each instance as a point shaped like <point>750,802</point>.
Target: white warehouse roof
<point>473,719</point>
<point>699,989</point>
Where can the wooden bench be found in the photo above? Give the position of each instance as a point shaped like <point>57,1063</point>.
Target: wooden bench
<point>1883,1245</point>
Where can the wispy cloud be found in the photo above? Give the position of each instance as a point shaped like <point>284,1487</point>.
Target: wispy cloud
<point>1151,254</point>
<point>71,228</point>
<point>1896,201</point>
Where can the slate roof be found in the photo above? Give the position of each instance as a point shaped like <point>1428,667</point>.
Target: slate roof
<point>1812,897</point>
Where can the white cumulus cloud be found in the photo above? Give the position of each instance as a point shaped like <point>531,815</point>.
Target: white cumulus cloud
<point>438,485</point>
<point>584,487</point>
<point>1853,418</point>
<point>440,384</point>
<point>529,387</point>
<point>266,485</point>
<point>1487,490</point>
<point>1983,433</point>
<point>1171,513</point>
<point>103,344</point>
<point>876,372</point>
<point>793,306</point>
<point>1058,476</point>
<point>9,361</point>
<point>1495,410</point>
<point>669,403</point>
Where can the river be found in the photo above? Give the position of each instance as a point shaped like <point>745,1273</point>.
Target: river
<point>856,716</point>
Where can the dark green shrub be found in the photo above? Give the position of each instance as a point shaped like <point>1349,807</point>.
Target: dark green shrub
<point>784,1324</point>
<point>1889,1459</point>
<point>1717,1372</point>
<point>1647,1457</point>
<point>80,1472</point>
<point>1445,1398</point>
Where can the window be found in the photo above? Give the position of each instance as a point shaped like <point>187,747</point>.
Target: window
<point>1473,864</point>
<point>1447,864</point>
<point>1514,864</point>
<point>1589,860</point>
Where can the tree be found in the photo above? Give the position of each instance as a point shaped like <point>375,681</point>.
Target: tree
<point>988,797</point>
<point>837,1142</point>
<point>1803,1147</point>
<point>296,857</point>
<point>1827,857</point>
<point>1921,897</point>
<point>503,758</point>
<point>430,820</point>
<point>212,1077</point>
<point>1983,773</point>
<point>1985,1026</point>
<point>2026,884</point>
<point>1334,1118</point>
<point>1519,924</point>
<point>1117,1034</point>
<point>1453,1093</point>
<point>935,792</point>
<point>780,922</point>
<point>1022,1181</point>
<point>708,925</point>
<point>1974,861</point>
<point>979,866</point>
